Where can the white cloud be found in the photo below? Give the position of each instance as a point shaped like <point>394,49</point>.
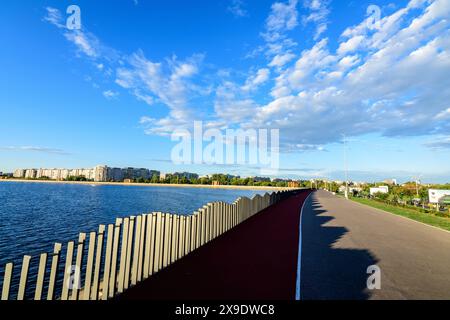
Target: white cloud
<point>237,8</point>
<point>439,143</point>
<point>349,61</point>
<point>350,45</point>
<point>54,17</point>
<point>86,43</point>
<point>283,16</point>
<point>109,94</point>
<point>318,15</point>
<point>35,149</point>
<point>443,115</point>
<point>281,59</point>
<point>261,76</point>
<point>391,81</point>
<point>395,84</point>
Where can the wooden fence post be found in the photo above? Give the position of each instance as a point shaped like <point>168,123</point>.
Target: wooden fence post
<point>194,234</point>
<point>98,260</point>
<point>142,247</point>
<point>7,280</point>
<point>23,277</point>
<point>150,246</point>
<point>166,243</point>
<point>126,283</point>
<point>89,267</point>
<point>158,240</point>
<point>187,235</point>
<point>201,227</point>
<point>78,265</point>
<point>108,254</point>
<point>174,241</point>
<point>53,271</point>
<point>67,271</point>
<point>112,279</point>
<point>123,255</point>
<point>137,242</point>
<point>40,276</point>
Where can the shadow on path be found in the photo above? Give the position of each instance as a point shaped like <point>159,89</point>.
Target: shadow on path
<point>327,272</point>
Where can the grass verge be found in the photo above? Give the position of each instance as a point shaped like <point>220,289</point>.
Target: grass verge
<point>440,222</point>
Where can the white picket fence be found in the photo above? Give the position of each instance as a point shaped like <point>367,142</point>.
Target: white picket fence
<point>131,250</point>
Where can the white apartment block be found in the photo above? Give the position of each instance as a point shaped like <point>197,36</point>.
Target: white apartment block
<point>98,173</point>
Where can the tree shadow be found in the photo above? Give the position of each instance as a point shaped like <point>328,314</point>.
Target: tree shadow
<point>329,273</point>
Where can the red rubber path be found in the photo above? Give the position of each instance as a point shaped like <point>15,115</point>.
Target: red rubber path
<point>255,260</point>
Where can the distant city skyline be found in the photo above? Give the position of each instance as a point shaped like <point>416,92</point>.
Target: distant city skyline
<point>113,91</point>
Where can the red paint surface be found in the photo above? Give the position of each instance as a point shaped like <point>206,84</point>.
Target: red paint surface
<point>255,260</point>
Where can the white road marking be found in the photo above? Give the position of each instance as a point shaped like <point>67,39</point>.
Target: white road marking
<point>299,262</point>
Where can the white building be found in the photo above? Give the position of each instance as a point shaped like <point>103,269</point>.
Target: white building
<point>99,173</point>
<point>381,189</point>
<point>434,195</point>
<point>19,173</point>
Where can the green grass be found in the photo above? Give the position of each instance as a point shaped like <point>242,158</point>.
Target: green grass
<point>427,218</point>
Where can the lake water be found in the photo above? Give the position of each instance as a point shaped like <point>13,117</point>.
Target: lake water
<point>33,216</point>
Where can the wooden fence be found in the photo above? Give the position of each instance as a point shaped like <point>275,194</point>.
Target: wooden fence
<point>131,250</point>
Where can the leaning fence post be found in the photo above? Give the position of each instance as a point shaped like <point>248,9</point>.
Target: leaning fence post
<point>7,280</point>
<point>67,271</point>
<point>202,227</point>
<point>208,214</point>
<point>187,235</point>
<point>78,265</point>
<point>112,280</point>
<point>228,217</point>
<point>141,247</point>
<point>98,260</point>
<point>123,254</point>
<point>174,238</point>
<point>126,283</point>
<point>106,273</point>
<point>40,276</point>
<point>181,237</point>
<point>89,265</point>
<point>150,247</point>
<point>53,271</point>
<point>137,242</point>
<point>165,240</point>
<point>158,240</point>
<point>194,234</point>
<point>23,277</point>
<point>223,217</point>
<point>217,219</point>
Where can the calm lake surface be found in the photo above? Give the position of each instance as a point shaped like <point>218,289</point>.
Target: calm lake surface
<point>33,216</point>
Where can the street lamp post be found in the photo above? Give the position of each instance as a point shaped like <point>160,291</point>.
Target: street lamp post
<point>346,167</point>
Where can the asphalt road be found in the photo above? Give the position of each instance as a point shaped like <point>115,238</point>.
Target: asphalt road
<point>341,238</point>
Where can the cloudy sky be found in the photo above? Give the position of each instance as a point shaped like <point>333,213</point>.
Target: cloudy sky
<point>375,72</point>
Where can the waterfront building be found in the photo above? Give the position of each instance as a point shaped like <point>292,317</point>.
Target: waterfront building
<point>436,196</point>
<point>381,189</point>
<point>30,173</point>
<point>115,174</point>
<point>19,173</point>
<point>100,173</point>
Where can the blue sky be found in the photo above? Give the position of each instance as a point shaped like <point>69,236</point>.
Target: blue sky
<point>112,92</point>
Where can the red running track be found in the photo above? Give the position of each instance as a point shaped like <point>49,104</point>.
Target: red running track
<point>255,260</point>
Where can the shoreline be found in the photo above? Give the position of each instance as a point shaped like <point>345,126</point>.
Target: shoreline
<point>202,186</point>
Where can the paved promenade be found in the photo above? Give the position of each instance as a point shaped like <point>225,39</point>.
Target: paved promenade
<point>256,260</point>
<point>341,238</point>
